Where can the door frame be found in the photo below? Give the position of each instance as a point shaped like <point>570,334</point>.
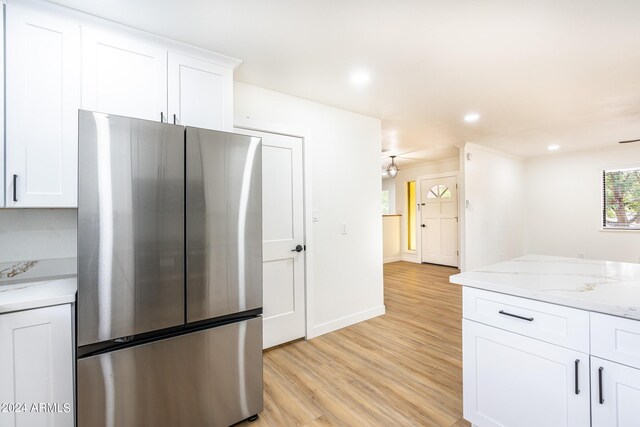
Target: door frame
<point>249,123</point>
<point>419,179</point>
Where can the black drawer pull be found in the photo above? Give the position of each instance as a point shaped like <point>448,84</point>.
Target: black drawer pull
<point>15,187</point>
<point>528,319</point>
<point>600,392</point>
<point>577,363</point>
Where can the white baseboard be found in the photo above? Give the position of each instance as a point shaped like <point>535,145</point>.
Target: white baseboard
<point>345,321</point>
<point>392,259</point>
<point>411,258</point>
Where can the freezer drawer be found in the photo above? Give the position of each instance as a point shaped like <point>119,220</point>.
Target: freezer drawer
<point>224,223</point>
<point>130,227</point>
<point>203,379</point>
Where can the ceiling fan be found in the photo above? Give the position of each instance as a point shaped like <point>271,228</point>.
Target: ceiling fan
<point>629,141</point>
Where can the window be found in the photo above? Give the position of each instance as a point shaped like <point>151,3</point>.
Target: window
<point>621,207</point>
<point>385,202</point>
<point>411,215</point>
<point>438,191</point>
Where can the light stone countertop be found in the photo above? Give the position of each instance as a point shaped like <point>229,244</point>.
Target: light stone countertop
<point>603,286</point>
<point>37,283</point>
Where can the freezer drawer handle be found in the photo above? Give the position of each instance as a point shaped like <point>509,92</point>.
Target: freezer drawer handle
<point>298,248</point>
<point>528,319</point>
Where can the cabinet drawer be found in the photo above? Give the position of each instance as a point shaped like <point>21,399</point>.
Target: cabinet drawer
<point>616,338</point>
<point>556,324</point>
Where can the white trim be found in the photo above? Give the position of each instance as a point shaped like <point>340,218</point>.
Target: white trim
<point>299,132</point>
<point>345,321</point>
<point>392,259</point>
<point>419,178</point>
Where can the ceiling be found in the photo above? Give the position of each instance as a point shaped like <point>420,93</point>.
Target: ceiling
<point>538,72</point>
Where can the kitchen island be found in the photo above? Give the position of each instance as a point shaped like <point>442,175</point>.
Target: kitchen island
<point>551,341</point>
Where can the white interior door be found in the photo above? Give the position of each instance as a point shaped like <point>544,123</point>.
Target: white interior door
<point>439,220</point>
<point>282,231</point>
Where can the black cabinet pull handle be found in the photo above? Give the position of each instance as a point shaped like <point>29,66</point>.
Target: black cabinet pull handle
<point>528,319</point>
<point>577,363</point>
<point>15,187</point>
<point>161,117</point>
<point>601,394</point>
<point>174,119</point>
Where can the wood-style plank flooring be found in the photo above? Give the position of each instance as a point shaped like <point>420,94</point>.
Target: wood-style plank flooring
<point>400,369</point>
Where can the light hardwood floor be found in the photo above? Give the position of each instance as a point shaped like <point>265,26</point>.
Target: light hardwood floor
<point>400,369</point>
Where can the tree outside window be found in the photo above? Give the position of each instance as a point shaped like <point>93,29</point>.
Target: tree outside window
<point>621,208</point>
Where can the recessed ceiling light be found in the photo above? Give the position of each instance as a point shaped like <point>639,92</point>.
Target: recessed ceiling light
<point>553,147</point>
<point>360,78</point>
<point>471,117</point>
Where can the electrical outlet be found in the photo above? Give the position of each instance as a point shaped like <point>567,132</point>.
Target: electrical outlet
<point>581,255</point>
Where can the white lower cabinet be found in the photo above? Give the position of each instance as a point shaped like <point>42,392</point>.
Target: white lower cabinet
<point>36,368</point>
<point>615,394</point>
<point>515,381</point>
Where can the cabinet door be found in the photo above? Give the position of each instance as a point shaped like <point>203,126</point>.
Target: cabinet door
<point>42,101</point>
<point>515,381</point>
<point>123,74</point>
<point>36,367</point>
<point>200,93</point>
<point>615,394</point>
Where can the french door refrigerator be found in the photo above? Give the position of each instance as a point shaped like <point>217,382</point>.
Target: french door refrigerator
<point>169,326</point>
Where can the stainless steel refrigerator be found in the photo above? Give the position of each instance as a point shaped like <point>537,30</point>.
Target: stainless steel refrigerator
<point>169,326</point>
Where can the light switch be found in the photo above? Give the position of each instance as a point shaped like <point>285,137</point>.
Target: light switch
<point>343,227</point>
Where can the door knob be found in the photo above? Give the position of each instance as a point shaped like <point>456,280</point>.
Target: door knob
<point>423,226</point>
<point>298,248</point>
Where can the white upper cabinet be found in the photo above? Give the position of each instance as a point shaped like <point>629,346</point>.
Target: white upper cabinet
<point>42,101</point>
<point>123,74</point>
<point>200,93</point>
<point>59,61</point>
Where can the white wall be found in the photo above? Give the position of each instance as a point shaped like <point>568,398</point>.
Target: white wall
<point>346,270</point>
<point>564,205</point>
<point>28,234</point>
<point>494,219</point>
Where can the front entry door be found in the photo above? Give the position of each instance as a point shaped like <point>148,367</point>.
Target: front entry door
<point>439,220</point>
<point>282,232</point>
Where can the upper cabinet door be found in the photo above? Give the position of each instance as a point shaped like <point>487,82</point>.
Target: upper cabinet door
<point>200,93</point>
<point>123,74</point>
<point>42,101</point>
